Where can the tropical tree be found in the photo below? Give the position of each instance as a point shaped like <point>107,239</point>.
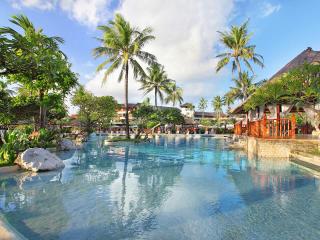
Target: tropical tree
<point>156,81</point>
<point>84,100</point>
<point>122,46</point>
<point>203,104</point>
<point>35,60</point>
<point>94,111</point>
<point>105,110</point>
<point>240,51</point>
<point>143,116</point>
<point>170,116</point>
<point>5,103</point>
<point>174,94</point>
<point>244,87</point>
<point>228,100</point>
<point>217,104</point>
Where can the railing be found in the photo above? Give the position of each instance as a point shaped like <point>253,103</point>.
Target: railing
<point>268,128</point>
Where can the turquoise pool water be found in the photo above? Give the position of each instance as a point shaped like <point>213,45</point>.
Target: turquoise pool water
<point>171,188</point>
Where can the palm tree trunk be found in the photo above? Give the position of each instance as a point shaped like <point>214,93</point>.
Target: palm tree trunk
<point>126,101</point>
<point>155,98</point>
<point>240,76</point>
<point>41,113</point>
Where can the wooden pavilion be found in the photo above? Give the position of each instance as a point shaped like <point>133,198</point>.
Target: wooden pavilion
<point>275,120</point>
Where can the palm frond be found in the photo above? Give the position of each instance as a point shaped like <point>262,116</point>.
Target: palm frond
<point>223,62</point>
<point>113,67</point>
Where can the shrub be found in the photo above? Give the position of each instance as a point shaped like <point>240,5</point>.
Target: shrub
<point>14,142</point>
<point>43,138</point>
<point>20,139</point>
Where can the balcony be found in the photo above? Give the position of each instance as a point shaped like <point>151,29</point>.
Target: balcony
<point>267,128</point>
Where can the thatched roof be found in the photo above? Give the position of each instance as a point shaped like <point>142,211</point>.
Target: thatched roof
<point>307,56</point>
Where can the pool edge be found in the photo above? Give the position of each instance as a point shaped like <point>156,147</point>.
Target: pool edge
<point>9,232</point>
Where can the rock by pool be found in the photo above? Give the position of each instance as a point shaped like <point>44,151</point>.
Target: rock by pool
<point>39,159</point>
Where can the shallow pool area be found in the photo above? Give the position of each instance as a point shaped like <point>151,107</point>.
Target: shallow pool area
<point>171,188</point>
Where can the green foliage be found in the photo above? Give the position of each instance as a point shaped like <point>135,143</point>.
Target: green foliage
<point>43,138</point>
<point>244,87</point>
<point>206,122</point>
<point>170,116</point>
<point>174,94</point>
<point>157,81</point>
<point>5,104</point>
<point>145,116</point>
<point>94,110</point>
<point>20,139</point>
<point>35,61</point>
<point>203,104</point>
<point>14,141</point>
<point>105,110</point>
<point>217,104</point>
<point>300,86</point>
<point>122,45</point>
<point>240,51</point>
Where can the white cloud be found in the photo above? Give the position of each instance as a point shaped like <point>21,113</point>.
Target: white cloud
<point>40,4</point>
<point>269,9</point>
<point>113,88</point>
<point>89,13</point>
<point>86,12</point>
<point>186,34</point>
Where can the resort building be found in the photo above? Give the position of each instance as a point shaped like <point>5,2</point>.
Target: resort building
<point>276,120</point>
<point>187,110</point>
<point>121,113</point>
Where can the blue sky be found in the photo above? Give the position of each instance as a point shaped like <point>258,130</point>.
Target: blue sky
<point>186,32</point>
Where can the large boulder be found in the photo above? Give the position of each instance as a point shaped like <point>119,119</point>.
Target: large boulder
<point>39,159</point>
<point>66,144</point>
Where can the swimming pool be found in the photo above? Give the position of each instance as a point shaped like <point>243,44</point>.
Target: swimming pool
<point>171,188</point>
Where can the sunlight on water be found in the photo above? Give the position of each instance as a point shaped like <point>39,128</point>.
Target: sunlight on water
<point>171,188</point>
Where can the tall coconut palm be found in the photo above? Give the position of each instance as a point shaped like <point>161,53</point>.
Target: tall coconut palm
<point>240,51</point>
<point>217,104</point>
<point>156,81</point>
<point>122,46</point>
<point>203,104</point>
<point>174,95</point>
<point>244,86</point>
<point>228,100</point>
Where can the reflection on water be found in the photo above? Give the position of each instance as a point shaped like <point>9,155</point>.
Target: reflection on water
<point>171,188</point>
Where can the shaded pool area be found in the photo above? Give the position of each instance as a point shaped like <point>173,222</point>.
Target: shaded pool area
<point>171,188</point>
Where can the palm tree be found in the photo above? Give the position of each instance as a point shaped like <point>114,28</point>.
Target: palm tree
<point>174,95</point>
<point>228,100</point>
<point>240,51</point>
<point>156,81</point>
<point>244,86</point>
<point>217,104</point>
<point>122,45</point>
<point>203,104</point>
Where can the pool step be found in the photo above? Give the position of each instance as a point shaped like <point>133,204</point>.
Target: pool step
<point>306,160</point>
